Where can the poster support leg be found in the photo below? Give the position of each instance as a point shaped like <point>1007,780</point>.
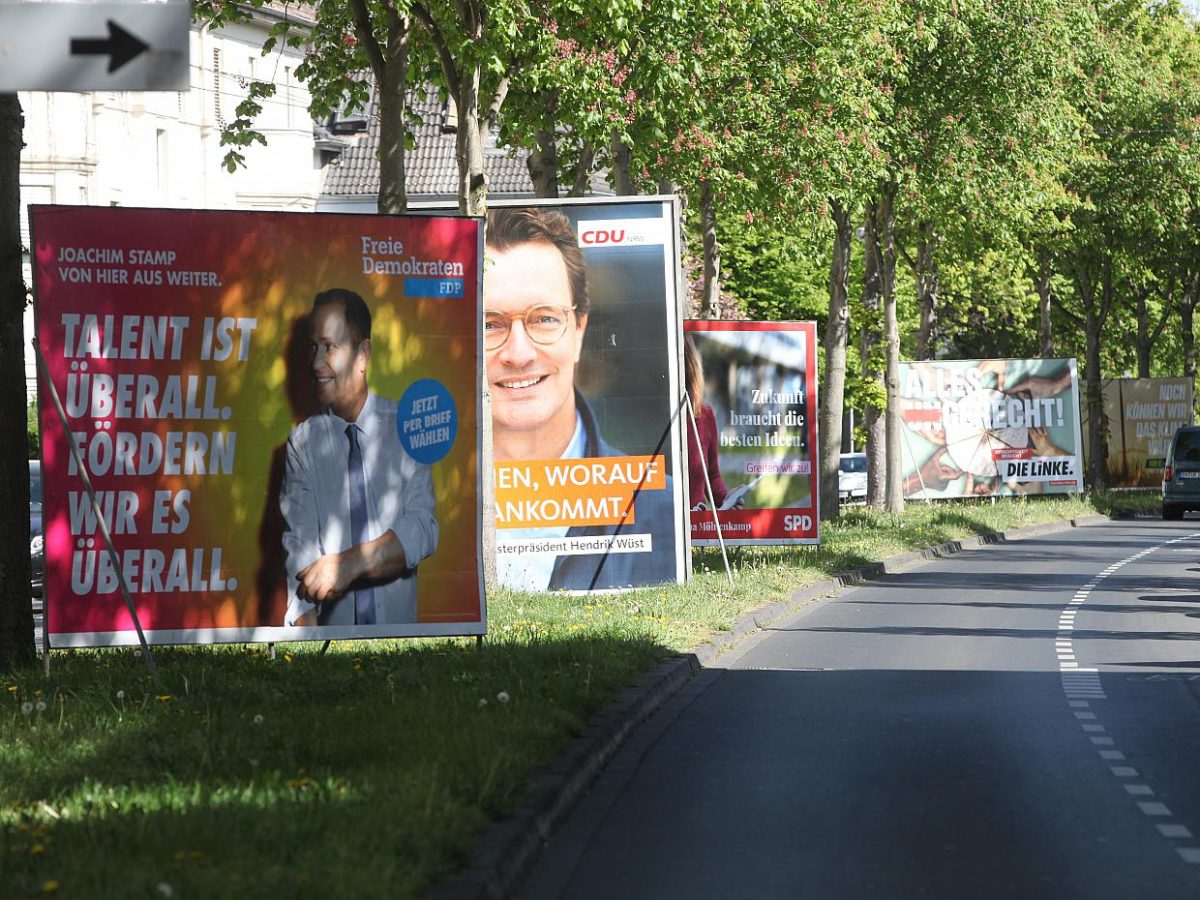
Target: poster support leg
<point>633,500</point>
<point>479,643</point>
<point>712,503</point>
<point>271,650</point>
<point>324,647</point>
<point>101,523</point>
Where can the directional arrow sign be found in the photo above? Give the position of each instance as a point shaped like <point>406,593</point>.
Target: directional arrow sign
<point>120,46</point>
<point>104,46</point>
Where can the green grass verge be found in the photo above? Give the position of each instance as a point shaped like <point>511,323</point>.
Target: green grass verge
<point>367,771</point>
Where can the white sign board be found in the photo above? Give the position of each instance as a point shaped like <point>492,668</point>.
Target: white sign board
<point>94,46</point>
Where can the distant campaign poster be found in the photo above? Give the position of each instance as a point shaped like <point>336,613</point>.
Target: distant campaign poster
<point>990,427</point>
<point>753,447</point>
<point>582,332</point>
<point>1141,415</point>
<point>279,415</point>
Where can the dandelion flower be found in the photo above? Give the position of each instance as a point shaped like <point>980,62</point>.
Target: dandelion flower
<point>483,701</point>
<point>120,695</point>
<point>165,890</point>
<point>503,697</point>
<point>40,706</point>
<point>26,708</point>
<point>258,719</point>
<point>50,886</point>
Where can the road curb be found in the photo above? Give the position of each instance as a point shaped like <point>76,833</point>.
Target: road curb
<point>505,850</point>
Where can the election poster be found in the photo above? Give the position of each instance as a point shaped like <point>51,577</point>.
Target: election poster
<point>278,414</point>
<point>753,389</point>
<point>1141,415</point>
<point>582,332</point>
<point>991,427</point>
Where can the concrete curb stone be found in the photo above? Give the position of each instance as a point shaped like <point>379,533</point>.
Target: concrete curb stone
<point>506,849</point>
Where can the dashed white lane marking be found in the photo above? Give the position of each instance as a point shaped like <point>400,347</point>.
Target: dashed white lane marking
<point>1082,685</point>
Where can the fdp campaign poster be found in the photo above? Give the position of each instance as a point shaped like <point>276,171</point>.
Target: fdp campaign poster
<point>1141,416</point>
<point>582,332</point>
<point>990,427</point>
<point>279,415</point>
<point>753,388</point>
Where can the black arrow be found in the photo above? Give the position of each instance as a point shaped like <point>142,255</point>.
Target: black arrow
<point>120,46</point>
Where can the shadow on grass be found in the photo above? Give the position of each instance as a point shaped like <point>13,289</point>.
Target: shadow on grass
<point>362,772</point>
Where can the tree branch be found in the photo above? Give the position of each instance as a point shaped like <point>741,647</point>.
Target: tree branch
<point>493,113</point>
<point>366,34</point>
<point>422,14</point>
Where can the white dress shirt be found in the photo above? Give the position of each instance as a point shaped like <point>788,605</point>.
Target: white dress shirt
<point>315,502</point>
<point>527,570</point>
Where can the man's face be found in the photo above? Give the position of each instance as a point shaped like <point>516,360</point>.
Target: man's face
<point>532,384</point>
<point>338,367</point>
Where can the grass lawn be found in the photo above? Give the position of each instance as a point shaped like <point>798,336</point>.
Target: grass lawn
<point>367,771</point>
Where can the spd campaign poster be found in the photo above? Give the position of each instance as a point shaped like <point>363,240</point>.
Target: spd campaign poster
<point>1141,416</point>
<point>582,331</point>
<point>279,414</point>
<point>753,387</point>
<point>990,427</point>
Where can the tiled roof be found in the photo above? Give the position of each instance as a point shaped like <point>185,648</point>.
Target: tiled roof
<point>430,168</point>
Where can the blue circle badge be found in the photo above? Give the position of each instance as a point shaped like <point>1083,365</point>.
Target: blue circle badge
<point>427,421</point>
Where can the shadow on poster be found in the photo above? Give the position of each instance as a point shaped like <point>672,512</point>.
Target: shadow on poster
<point>756,436</point>
<point>279,413</point>
<point>582,333</point>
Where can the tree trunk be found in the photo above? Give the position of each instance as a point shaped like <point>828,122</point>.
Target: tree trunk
<point>1187,314</point>
<point>393,87</point>
<point>543,161</point>
<point>622,176</point>
<point>1045,296</point>
<point>468,148</point>
<point>711,285</point>
<point>886,234</point>
<point>869,338</point>
<point>928,285</point>
<point>1095,309</point>
<point>583,171</point>
<point>16,610</point>
<point>833,381</point>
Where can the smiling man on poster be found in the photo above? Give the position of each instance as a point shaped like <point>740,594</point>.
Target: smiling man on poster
<point>536,310</point>
<point>359,510</point>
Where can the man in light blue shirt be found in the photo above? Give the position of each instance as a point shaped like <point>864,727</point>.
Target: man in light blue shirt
<point>359,510</point>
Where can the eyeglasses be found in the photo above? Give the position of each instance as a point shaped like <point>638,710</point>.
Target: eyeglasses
<point>543,325</point>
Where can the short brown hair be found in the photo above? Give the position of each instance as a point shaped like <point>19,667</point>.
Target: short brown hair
<point>513,226</point>
<point>358,314</point>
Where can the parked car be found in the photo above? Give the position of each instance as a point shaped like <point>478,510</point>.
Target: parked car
<point>37,541</point>
<point>1181,477</point>
<point>852,476</point>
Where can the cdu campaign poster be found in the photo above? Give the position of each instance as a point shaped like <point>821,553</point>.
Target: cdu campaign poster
<point>581,332</point>
<point>990,427</point>
<point>753,447</point>
<point>278,414</point>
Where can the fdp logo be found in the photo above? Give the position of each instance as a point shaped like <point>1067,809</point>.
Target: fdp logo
<point>622,233</point>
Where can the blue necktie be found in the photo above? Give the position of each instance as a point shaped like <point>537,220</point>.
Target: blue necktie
<point>364,598</point>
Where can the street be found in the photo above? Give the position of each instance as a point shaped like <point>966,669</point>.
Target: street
<point>1020,720</point>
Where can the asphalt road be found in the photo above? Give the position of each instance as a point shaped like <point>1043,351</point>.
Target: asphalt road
<point>1017,721</point>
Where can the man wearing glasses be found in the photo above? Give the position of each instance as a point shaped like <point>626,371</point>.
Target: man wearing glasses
<point>536,313</point>
<point>359,510</point>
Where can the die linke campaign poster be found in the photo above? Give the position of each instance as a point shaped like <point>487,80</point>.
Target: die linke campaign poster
<point>582,332</point>
<point>990,427</point>
<point>279,415</point>
<point>753,387</point>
